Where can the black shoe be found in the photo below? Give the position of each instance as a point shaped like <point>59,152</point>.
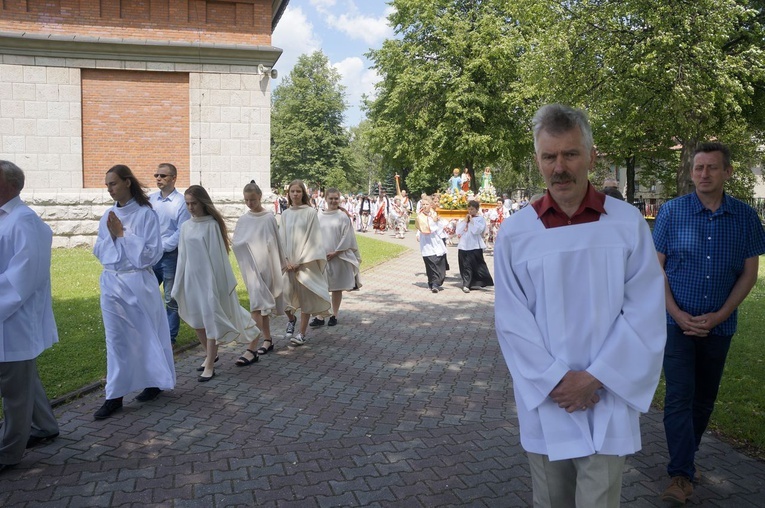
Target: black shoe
<point>204,379</point>
<point>316,322</point>
<point>109,407</point>
<point>200,369</point>
<point>243,361</point>
<point>40,440</point>
<point>434,289</point>
<point>148,394</point>
<point>5,467</point>
<point>332,321</point>
<point>263,349</point>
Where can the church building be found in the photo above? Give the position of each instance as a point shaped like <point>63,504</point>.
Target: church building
<point>86,84</point>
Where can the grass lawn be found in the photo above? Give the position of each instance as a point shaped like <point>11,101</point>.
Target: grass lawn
<point>79,358</point>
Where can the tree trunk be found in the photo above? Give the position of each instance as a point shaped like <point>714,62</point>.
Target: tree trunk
<point>684,182</point>
<point>630,171</point>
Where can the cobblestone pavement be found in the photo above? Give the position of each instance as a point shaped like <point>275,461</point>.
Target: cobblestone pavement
<point>407,402</point>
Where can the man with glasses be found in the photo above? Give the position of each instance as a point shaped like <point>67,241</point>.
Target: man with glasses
<point>171,208</point>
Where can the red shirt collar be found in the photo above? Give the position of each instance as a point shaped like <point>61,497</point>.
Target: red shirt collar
<point>589,210</point>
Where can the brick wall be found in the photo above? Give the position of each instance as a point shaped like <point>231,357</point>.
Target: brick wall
<point>137,118</point>
<point>245,22</point>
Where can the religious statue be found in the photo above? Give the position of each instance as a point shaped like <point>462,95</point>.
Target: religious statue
<point>486,178</point>
<point>455,182</point>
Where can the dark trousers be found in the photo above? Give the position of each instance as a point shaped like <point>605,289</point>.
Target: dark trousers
<point>693,368</point>
<point>165,272</point>
<point>26,407</point>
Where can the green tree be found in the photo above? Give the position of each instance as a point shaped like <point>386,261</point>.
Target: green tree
<point>366,164</point>
<point>308,140</point>
<point>446,97</point>
<point>652,73</point>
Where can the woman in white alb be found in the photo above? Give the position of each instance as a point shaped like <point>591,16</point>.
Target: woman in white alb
<point>205,286</point>
<point>473,269</point>
<point>343,257</point>
<point>261,260</point>
<point>306,284</point>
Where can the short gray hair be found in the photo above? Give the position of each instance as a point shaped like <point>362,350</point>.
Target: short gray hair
<point>558,119</point>
<point>12,175</point>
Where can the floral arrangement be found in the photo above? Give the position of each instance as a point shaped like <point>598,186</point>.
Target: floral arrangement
<point>454,200</point>
<point>487,194</point>
<point>458,200</point>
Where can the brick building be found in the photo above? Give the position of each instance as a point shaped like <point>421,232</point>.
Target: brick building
<point>86,84</point>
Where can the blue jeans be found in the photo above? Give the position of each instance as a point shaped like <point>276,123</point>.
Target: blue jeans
<point>693,368</point>
<point>165,272</point>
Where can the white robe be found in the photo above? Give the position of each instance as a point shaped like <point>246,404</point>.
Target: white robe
<point>138,350</point>
<point>582,297</point>
<point>27,326</point>
<point>338,236</point>
<point>261,260</point>
<point>306,288</point>
<point>431,243</point>
<point>471,234</point>
<point>205,286</point>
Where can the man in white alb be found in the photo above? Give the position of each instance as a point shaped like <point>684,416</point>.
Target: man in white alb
<point>27,326</point>
<point>579,318</point>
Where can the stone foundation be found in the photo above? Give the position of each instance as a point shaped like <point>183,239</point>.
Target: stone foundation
<point>74,215</point>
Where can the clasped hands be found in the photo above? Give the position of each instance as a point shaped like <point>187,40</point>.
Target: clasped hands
<point>576,391</point>
<point>698,326</point>
<point>114,225</point>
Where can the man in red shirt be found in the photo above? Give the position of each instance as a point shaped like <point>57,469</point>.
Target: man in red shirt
<point>578,315</point>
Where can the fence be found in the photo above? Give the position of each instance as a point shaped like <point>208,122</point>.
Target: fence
<point>650,208</point>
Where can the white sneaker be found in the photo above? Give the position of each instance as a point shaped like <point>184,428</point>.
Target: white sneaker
<point>298,340</point>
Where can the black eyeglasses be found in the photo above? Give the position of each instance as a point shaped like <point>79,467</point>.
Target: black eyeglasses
<point>160,175</point>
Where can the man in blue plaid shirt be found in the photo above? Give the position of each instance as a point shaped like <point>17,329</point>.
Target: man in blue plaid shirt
<point>709,245</point>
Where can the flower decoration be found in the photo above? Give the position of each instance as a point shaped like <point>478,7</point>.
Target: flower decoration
<point>487,194</point>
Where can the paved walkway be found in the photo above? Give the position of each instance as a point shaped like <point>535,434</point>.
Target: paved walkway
<point>407,402</point>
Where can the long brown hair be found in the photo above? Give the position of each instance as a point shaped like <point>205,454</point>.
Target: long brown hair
<point>200,194</point>
<point>305,200</point>
<point>136,187</point>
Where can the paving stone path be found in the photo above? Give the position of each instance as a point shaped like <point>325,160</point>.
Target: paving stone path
<point>407,402</point>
